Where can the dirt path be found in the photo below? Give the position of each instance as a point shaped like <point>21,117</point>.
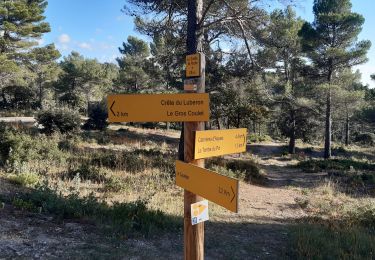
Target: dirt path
<point>258,231</point>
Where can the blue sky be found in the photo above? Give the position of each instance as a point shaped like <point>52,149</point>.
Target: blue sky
<point>96,28</point>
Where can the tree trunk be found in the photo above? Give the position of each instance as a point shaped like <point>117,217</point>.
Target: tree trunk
<point>347,130</point>
<point>328,127</point>
<point>218,123</point>
<point>292,140</point>
<point>40,94</point>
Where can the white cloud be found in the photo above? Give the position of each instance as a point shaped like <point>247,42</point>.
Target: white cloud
<point>64,38</point>
<point>85,45</point>
<point>40,42</point>
<point>367,70</point>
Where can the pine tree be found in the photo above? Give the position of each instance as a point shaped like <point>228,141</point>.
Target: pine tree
<point>21,23</point>
<point>133,64</point>
<point>45,67</point>
<point>331,44</point>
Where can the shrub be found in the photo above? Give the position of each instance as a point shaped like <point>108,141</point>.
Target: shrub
<point>334,164</point>
<point>124,218</point>
<point>97,117</point>
<point>17,149</point>
<point>255,138</point>
<point>321,242</point>
<point>87,172</point>
<point>29,180</point>
<point>115,184</point>
<point>59,120</point>
<point>365,139</point>
<point>245,170</point>
<point>128,161</point>
<point>24,204</point>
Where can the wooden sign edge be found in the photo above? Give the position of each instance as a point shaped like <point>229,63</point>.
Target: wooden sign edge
<point>237,186</point>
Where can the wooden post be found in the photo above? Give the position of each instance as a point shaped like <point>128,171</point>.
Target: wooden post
<point>193,235</point>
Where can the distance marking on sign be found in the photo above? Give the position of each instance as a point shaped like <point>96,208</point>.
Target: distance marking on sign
<point>219,142</point>
<point>190,107</point>
<point>210,185</point>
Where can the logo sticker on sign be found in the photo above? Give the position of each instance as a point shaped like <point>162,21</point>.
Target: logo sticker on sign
<point>199,212</point>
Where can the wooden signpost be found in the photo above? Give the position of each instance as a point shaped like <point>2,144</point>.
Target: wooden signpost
<point>192,108</point>
<point>219,142</point>
<point>212,186</point>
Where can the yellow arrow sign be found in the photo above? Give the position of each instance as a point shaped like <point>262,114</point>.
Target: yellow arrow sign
<point>212,186</point>
<point>219,142</point>
<point>158,108</point>
<point>198,209</point>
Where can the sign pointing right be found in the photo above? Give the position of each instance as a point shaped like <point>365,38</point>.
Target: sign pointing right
<point>210,185</point>
<point>219,142</point>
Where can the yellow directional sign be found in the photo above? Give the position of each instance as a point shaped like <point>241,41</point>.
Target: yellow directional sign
<point>219,142</point>
<point>212,186</point>
<point>158,108</point>
<point>193,65</point>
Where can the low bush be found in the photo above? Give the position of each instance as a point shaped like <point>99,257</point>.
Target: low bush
<point>61,120</point>
<point>246,170</point>
<point>128,161</point>
<point>365,139</point>
<point>255,138</point>
<point>87,172</point>
<point>29,180</point>
<point>115,184</point>
<point>327,242</point>
<point>334,164</point>
<point>24,204</point>
<point>337,228</point>
<point>97,117</point>
<point>17,149</point>
<point>123,218</point>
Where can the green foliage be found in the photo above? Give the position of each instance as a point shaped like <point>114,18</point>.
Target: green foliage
<point>28,180</point>
<point>128,161</point>
<point>83,79</point>
<point>255,138</point>
<point>123,218</point>
<point>17,149</point>
<point>24,204</point>
<point>335,164</point>
<point>322,242</point>
<point>115,184</point>
<point>87,172</point>
<point>19,97</point>
<point>97,117</point>
<point>246,170</point>
<point>365,139</point>
<point>133,64</point>
<point>61,120</point>
<point>23,23</point>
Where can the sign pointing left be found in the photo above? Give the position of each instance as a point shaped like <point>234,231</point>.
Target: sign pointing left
<point>112,107</point>
<point>158,108</point>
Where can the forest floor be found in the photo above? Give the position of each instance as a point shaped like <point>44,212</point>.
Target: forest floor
<point>259,231</point>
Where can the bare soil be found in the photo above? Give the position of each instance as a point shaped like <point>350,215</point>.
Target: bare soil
<point>258,231</point>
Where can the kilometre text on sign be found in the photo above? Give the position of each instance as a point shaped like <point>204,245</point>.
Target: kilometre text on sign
<point>210,185</point>
<point>158,108</point>
<point>219,142</point>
